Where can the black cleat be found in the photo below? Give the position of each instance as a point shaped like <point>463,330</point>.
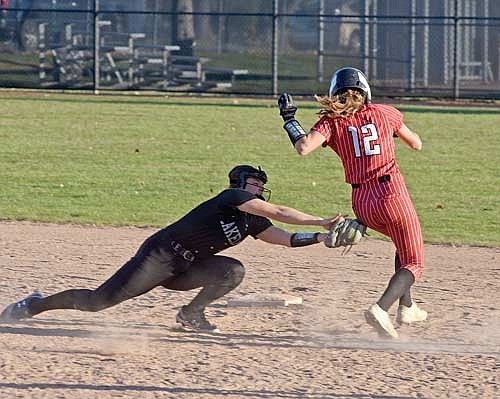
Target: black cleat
<point>19,310</point>
<point>195,321</point>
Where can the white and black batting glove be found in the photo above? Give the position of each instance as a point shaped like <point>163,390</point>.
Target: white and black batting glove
<point>287,107</point>
<point>287,111</point>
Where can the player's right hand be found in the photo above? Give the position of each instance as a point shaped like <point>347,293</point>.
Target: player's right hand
<point>287,107</point>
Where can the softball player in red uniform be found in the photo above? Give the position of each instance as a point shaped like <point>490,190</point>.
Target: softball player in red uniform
<point>361,133</point>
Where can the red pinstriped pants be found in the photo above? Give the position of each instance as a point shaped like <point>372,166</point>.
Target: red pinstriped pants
<point>387,208</point>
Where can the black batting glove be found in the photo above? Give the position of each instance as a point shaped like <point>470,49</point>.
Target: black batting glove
<point>287,107</point>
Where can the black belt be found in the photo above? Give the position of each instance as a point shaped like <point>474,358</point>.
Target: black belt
<point>380,179</point>
<point>181,251</point>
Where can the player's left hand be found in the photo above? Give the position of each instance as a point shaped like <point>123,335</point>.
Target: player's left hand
<point>287,107</point>
<point>328,223</point>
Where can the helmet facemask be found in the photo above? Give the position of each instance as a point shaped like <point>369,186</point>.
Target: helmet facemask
<point>239,175</point>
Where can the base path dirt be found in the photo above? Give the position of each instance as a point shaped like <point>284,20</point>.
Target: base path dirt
<point>319,349</point>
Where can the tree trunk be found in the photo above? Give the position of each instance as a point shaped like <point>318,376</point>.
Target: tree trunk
<point>205,25</point>
<point>185,23</point>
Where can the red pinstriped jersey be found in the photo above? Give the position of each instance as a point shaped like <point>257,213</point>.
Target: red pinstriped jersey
<point>364,142</point>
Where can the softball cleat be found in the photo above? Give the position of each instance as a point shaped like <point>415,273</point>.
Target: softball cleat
<point>19,310</point>
<point>380,320</point>
<point>408,315</point>
<point>194,321</point>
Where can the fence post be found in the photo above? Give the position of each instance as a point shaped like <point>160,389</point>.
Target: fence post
<point>155,23</point>
<point>446,42</point>
<point>456,53</point>
<point>374,41</point>
<point>275,48</point>
<point>221,22</point>
<point>321,42</point>
<point>96,47</point>
<point>365,48</point>
<point>412,56</point>
<point>486,58</point>
<point>426,44</point>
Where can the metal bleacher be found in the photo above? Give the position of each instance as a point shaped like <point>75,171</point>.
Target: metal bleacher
<point>131,65</point>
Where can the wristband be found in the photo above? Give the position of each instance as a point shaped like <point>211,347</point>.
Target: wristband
<point>295,130</point>
<point>303,239</point>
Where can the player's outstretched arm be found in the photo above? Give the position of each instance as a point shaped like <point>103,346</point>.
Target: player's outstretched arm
<point>275,235</point>
<point>345,233</point>
<point>410,138</point>
<point>285,214</point>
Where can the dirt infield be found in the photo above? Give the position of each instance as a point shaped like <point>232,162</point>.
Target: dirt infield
<point>320,349</point>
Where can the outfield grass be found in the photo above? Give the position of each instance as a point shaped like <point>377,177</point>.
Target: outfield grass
<point>146,161</point>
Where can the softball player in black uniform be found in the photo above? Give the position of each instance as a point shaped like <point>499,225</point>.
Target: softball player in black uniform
<point>182,256</point>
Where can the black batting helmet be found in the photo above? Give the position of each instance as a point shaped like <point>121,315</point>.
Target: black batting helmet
<point>350,78</point>
<point>239,174</point>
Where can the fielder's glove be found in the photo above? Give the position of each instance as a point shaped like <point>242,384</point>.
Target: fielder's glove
<point>345,233</point>
<point>287,107</point>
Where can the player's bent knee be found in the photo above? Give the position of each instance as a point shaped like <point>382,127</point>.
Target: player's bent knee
<point>234,276</point>
<point>416,270</point>
<point>238,273</point>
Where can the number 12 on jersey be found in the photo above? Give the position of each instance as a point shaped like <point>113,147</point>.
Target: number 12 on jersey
<point>367,140</point>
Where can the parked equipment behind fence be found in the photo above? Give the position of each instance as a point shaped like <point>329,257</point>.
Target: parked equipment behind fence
<point>445,48</point>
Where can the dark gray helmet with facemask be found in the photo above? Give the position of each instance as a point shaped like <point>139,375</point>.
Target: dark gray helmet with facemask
<point>239,174</point>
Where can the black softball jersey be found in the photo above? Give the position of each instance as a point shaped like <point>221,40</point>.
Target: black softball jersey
<point>217,224</point>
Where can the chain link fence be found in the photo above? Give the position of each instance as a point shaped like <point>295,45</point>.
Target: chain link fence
<point>439,48</point>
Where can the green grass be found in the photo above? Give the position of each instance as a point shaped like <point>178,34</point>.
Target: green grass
<point>146,161</point>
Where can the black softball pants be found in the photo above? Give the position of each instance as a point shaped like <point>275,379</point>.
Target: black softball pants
<point>153,265</point>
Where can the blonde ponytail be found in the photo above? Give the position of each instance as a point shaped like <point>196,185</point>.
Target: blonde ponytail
<point>341,105</point>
